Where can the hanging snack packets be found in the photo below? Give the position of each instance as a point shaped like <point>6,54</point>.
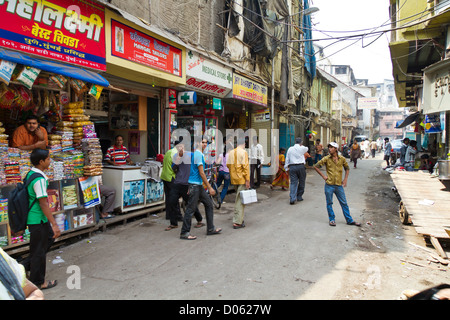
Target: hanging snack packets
<point>78,86</point>
<point>59,80</point>
<point>27,76</point>
<point>96,91</point>
<point>6,70</point>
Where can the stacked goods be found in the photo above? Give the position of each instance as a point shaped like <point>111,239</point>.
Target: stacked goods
<point>92,152</point>
<point>53,200</point>
<point>54,143</point>
<point>3,158</point>
<point>74,112</point>
<point>65,130</point>
<point>24,163</point>
<point>3,136</point>
<point>49,171</point>
<point>70,196</point>
<point>12,172</point>
<point>58,170</point>
<point>3,210</point>
<point>78,163</point>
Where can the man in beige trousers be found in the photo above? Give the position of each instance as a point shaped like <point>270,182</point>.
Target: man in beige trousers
<point>239,168</point>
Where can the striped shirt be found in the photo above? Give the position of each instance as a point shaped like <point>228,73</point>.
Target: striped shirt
<point>117,155</point>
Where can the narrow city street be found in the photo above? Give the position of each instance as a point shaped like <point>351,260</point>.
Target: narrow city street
<point>284,252</point>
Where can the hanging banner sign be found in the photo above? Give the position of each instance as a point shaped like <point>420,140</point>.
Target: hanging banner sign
<point>63,30</point>
<point>133,45</point>
<point>249,90</point>
<point>217,104</point>
<point>432,123</point>
<point>187,97</point>
<point>206,76</point>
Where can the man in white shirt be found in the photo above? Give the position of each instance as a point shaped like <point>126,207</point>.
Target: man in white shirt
<point>256,160</point>
<point>295,164</point>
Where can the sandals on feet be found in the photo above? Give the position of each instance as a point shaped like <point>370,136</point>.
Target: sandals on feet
<point>217,231</point>
<point>199,225</point>
<point>49,284</point>
<point>332,223</point>
<point>354,224</point>
<point>170,227</point>
<point>238,226</point>
<point>187,237</point>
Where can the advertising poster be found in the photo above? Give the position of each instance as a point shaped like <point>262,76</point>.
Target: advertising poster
<point>134,142</point>
<point>133,193</point>
<point>133,45</point>
<point>155,191</point>
<point>67,31</point>
<point>248,90</point>
<point>432,123</point>
<point>91,192</point>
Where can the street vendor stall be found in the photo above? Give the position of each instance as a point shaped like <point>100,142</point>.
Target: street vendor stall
<point>44,89</point>
<point>425,204</point>
<point>135,189</point>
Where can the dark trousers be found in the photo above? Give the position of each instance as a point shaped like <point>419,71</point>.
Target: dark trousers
<point>176,209</point>
<point>257,167</point>
<point>41,239</point>
<point>297,177</point>
<point>177,191</point>
<point>197,193</point>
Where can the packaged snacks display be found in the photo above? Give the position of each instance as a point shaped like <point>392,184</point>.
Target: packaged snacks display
<point>96,91</point>
<point>27,76</point>
<point>59,80</point>
<point>6,70</point>
<point>78,86</point>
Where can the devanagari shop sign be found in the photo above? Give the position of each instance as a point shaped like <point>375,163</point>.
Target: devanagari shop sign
<point>63,30</point>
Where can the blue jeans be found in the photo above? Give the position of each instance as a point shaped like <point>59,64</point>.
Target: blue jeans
<point>225,177</point>
<point>297,176</point>
<point>340,195</point>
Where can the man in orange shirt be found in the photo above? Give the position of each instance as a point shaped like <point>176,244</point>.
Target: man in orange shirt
<point>30,136</point>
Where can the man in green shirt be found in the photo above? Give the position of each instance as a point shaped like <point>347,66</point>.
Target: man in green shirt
<point>168,178</point>
<point>41,223</point>
<point>334,184</point>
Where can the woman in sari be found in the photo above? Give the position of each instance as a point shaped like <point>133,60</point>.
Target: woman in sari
<point>282,177</point>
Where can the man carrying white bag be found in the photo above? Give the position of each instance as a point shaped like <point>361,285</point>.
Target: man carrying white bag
<point>239,168</point>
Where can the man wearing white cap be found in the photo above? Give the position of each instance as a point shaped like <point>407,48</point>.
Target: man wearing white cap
<point>334,183</point>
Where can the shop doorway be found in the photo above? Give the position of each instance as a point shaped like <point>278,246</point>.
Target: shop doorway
<point>152,127</point>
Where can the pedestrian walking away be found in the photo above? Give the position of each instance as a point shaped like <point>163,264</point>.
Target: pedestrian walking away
<point>224,172</point>
<point>373,148</point>
<point>282,177</point>
<point>256,160</point>
<point>387,151</point>
<point>295,164</point>
<point>355,152</point>
<point>197,193</point>
<point>240,177</point>
<point>334,184</point>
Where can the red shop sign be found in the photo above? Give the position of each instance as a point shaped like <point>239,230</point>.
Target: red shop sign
<point>70,31</point>
<point>132,45</point>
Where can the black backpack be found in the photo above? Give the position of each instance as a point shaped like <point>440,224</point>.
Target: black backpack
<point>18,204</point>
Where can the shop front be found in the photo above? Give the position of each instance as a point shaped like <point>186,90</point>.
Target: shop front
<point>51,60</point>
<point>198,106</point>
<point>141,64</point>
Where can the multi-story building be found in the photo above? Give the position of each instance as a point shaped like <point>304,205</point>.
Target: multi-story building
<point>419,46</point>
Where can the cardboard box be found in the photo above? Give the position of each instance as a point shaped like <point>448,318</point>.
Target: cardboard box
<point>248,196</point>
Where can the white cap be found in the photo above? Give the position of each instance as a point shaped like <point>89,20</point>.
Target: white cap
<point>334,144</point>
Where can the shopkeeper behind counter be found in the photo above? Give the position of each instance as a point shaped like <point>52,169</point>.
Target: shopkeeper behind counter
<point>30,135</point>
<point>118,154</point>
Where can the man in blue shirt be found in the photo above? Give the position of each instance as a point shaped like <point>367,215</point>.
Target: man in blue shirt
<point>197,193</point>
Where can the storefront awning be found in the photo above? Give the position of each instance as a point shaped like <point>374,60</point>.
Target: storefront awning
<point>408,120</point>
<point>54,67</point>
